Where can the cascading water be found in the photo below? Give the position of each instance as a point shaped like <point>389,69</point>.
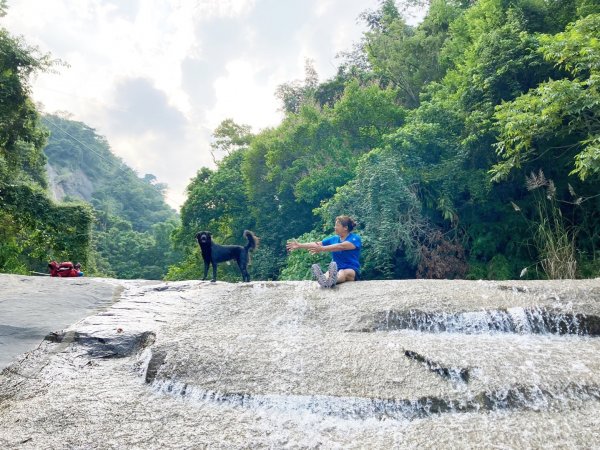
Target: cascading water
<point>472,365</point>
<point>412,364</point>
<point>532,320</point>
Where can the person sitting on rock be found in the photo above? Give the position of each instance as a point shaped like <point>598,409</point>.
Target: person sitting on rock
<point>345,251</point>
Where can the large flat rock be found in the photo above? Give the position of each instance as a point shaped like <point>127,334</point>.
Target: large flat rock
<point>374,364</point>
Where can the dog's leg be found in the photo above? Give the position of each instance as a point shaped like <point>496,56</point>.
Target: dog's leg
<point>240,265</point>
<point>245,274</point>
<point>205,270</point>
<point>214,278</point>
<point>243,265</point>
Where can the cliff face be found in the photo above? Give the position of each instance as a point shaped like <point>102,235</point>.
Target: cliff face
<point>74,184</point>
<point>366,365</point>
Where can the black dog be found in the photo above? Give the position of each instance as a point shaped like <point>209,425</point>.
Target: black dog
<point>214,253</point>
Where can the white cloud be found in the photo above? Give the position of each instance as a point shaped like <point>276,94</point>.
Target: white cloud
<point>210,9</point>
<point>156,76</point>
<point>244,100</point>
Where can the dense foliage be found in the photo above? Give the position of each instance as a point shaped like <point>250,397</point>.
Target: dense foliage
<point>428,135</point>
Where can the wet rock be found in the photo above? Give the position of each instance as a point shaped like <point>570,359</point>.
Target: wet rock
<point>109,345</point>
<point>271,365</point>
<point>513,288</point>
<point>161,288</point>
<point>55,337</point>
<point>591,324</point>
<point>167,287</point>
<point>450,373</point>
<point>156,360</point>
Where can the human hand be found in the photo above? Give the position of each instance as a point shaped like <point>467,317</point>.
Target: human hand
<point>292,245</point>
<point>315,250</point>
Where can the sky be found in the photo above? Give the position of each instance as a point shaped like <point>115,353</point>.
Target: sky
<point>156,77</point>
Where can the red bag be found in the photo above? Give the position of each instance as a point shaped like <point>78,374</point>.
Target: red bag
<point>64,269</point>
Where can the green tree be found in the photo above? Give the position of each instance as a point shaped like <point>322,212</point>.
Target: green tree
<point>131,216</point>
<point>230,137</point>
<point>388,212</point>
<point>558,117</point>
<point>289,170</point>
<point>21,137</point>
<point>403,138</point>
<point>296,93</point>
<point>404,56</point>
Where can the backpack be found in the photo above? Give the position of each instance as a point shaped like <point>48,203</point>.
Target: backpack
<point>64,269</point>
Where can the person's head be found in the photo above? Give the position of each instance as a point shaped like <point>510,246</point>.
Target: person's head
<point>344,225</point>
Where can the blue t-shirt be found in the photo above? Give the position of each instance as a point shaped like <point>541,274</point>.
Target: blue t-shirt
<point>346,259</point>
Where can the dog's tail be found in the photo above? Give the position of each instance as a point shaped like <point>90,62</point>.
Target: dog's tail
<point>253,240</point>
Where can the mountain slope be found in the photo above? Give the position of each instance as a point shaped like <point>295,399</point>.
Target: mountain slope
<point>82,166</point>
<point>132,221</point>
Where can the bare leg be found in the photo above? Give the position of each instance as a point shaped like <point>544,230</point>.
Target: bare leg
<point>344,275</point>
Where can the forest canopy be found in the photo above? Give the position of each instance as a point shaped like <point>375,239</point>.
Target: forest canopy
<point>466,147</point>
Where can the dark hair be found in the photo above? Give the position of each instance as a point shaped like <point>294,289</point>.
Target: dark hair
<point>346,221</point>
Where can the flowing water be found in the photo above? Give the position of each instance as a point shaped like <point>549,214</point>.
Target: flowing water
<point>412,364</point>
<point>406,365</point>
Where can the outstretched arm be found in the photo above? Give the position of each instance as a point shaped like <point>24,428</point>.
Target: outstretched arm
<point>293,245</point>
<point>333,247</point>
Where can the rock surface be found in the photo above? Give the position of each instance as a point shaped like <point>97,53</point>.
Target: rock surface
<point>374,364</point>
<point>69,183</point>
<point>31,307</point>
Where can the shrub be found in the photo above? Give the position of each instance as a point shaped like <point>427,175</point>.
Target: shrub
<point>441,258</point>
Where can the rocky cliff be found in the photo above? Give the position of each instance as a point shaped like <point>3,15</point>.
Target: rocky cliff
<point>374,364</point>
<point>74,184</point>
